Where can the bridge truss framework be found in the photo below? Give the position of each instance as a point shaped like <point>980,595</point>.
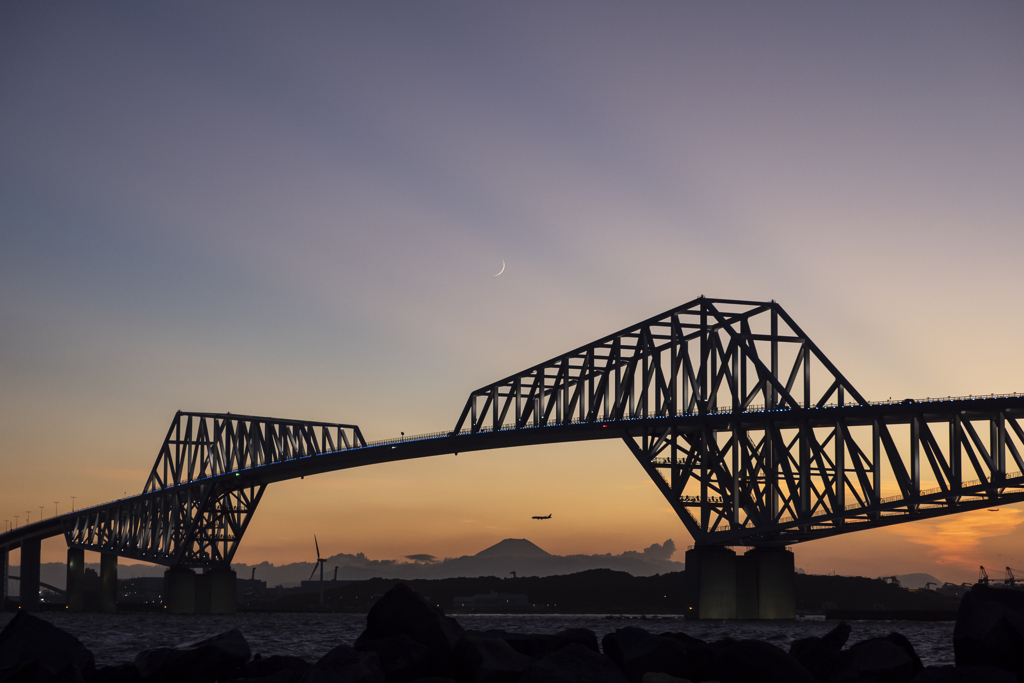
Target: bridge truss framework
<point>745,426</point>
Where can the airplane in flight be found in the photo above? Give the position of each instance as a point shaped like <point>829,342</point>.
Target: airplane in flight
<point>539,517</point>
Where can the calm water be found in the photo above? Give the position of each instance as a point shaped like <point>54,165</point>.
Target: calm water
<point>115,638</point>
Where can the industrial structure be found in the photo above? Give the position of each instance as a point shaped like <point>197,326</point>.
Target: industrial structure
<point>752,435</point>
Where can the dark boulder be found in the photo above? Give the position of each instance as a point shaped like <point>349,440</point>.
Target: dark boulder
<point>885,660</point>
<point>401,611</point>
<point>402,658</point>
<point>282,676</point>
<point>964,674</point>
<point>990,629</point>
<point>638,652</point>
<point>488,659</point>
<point>119,673</point>
<point>278,668</point>
<point>30,644</point>
<point>200,661</point>
<point>574,663</point>
<point>344,664</point>
<point>820,654</point>
<point>537,645</point>
<point>743,661</point>
<point>658,677</point>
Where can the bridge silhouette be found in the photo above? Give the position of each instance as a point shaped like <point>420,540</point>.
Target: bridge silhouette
<point>749,431</point>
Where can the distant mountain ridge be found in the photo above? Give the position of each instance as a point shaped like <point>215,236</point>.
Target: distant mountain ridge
<point>916,581</point>
<point>514,547</point>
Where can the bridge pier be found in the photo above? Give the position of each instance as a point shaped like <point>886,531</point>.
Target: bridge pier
<point>202,592</point>
<point>108,582</point>
<point>710,582</point>
<point>757,585</point>
<point>746,587</point>
<point>775,573</point>
<point>31,550</point>
<point>4,573</point>
<point>215,591</point>
<point>180,590</point>
<point>75,587</point>
<point>223,591</point>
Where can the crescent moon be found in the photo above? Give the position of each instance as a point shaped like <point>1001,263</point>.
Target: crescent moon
<point>502,268</point>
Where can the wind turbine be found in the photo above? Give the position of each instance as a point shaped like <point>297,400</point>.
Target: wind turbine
<point>319,562</point>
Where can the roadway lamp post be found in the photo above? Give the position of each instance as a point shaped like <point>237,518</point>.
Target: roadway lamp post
<point>41,513</point>
<point>15,522</point>
<point>56,504</point>
<point>73,503</point>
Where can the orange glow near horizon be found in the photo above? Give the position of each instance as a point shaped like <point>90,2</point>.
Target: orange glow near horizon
<point>956,540</point>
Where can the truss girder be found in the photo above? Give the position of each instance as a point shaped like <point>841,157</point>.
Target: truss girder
<point>706,356</point>
<point>786,476</point>
<point>203,445</point>
<point>199,525</point>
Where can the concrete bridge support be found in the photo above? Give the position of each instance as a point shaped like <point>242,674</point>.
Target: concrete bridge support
<point>180,590</point>
<point>108,582</point>
<point>757,585</point>
<point>711,582</point>
<point>776,582</point>
<point>223,591</point>
<point>4,573</point>
<point>31,549</point>
<point>75,586</point>
<point>215,591</point>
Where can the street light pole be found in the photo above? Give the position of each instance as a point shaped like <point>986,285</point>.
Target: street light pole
<point>56,503</point>
<point>73,503</point>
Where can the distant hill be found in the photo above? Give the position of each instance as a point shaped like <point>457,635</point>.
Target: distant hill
<point>917,580</point>
<point>513,547</point>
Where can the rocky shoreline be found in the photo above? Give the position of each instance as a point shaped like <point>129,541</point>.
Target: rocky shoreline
<point>408,640</point>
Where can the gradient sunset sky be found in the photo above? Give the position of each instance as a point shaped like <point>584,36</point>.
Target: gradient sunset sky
<point>297,210</point>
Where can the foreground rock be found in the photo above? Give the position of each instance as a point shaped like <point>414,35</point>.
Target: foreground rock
<point>820,655</point>
<point>537,645</point>
<point>274,669</point>
<point>886,660</point>
<point>344,664</point>
<point>638,652</point>
<point>401,611</point>
<point>201,661</point>
<point>413,638</point>
<point>964,674</point>
<point>489,659</point>
<point>574,663</point>
<point>32,649</point>
<point>743,661</point>
<point>990,630</point>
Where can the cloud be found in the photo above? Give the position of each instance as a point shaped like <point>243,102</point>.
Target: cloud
<point>663,551</point>
<point>957,539</point>
<point>421,557</point>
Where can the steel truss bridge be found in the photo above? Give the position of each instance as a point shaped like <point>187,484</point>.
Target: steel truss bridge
<point>752,435</point>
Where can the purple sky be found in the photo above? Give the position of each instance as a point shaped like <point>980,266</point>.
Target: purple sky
<point>298,209</point>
